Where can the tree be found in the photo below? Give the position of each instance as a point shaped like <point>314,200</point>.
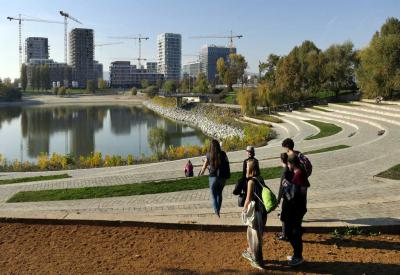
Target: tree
<point>339,63</point>
<point>184,84</point>
<point>232,70</point>
<point>45,77</point>
<point>378,73</point>
<point>101,83</point>
<point>159,83</point>
<point>247,100</point>
<point>156,139</point>
<point>90,86</point>
<point>133,91</point>
<point>144,83</point>
<point>24,77</point>
<point>201,85</point>
<point>170,86</point>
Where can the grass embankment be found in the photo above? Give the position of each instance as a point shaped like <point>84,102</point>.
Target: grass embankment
<point>326,129</point>
<point>268,118</point>
<point>38,178</point>
<point>392,173</point>
<point>320,109</point>
<point>143,188</point>
<point>327,149</point>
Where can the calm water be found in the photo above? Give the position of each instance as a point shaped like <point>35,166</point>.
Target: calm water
<point>25,132</point>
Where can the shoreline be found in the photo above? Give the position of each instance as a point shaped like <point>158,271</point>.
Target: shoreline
<point>196,120</point>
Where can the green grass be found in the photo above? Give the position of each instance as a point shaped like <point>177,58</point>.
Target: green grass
<point>326,129</point>
<point>328,149</point>
<point>230,99</point>
<point>268,118</point>
<point>38,178</point>
<point>392,173</point>
<point>322,110</point>
<point>347,104</point>
<point>131,189</point>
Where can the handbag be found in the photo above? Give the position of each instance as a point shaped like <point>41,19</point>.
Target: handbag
<point>241,199</point>
<point>249,215</point>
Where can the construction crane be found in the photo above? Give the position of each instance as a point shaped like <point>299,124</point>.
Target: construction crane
<point>138,38</point>
<point>20,19</point>
<point>66,16</point>
<point>230,37</point>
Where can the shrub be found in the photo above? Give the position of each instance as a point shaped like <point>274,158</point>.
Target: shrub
<point>8,93</point>
<point>62,91</point>
<point>133,91</point>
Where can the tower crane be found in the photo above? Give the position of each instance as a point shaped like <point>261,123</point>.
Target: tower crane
<point>139,39</point>
<point>66,16</point>
<point>20,19</point>
<point>231,36</point>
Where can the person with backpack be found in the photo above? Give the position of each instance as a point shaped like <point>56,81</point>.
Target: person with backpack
<point>288,144</point>
<point>294,207</point>
<point>189,169</point>
<point>287,174</point>
<point>255,230</point>
<point>241,185</point>
<point>219,171</point>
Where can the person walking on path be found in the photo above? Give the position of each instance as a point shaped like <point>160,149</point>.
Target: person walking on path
<point>218,166</point>
<point>294,208</point>
<point>288,175</point>
<point>254,231</point>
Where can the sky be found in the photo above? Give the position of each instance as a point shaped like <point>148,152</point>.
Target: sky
<point>267,26</point>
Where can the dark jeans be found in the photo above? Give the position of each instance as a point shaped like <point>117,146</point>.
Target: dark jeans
<point>294,232</point>
<point>216,187</point>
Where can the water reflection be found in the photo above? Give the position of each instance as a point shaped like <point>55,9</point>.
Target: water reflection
<point>25,132</point>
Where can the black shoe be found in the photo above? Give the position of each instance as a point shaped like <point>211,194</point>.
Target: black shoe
<point>282,238</point>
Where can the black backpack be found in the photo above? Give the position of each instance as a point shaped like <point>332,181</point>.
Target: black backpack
<point>224,171</point>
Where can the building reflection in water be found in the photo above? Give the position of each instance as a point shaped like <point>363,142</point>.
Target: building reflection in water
<point>72,129</point>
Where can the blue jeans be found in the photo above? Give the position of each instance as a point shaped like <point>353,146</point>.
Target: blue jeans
<point>216,187</point>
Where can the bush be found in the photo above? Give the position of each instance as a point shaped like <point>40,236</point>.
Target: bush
<point>8,93</point>
<point>55,90</point>
<point>151,91</point>
<point>247,100</point>
<point>62,91</point>
<point>133,91</point>
<point>91,86</point>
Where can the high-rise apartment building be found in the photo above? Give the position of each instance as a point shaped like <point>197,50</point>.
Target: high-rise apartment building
<point>37,48</point>
<point>81,50</point>
<point>169,55</point>
<point>209,54</point>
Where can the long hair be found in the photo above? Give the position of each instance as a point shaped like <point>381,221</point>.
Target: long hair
<point>253,168</point>
<point>215,154</point>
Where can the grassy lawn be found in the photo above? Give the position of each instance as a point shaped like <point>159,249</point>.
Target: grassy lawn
<point>230,99</point>
<point>328,149</point>
<point>320,109</point>
<point>131,189</point>
<point>392,173</point>
<point>38,178</point>
<point>347,104</point>
<point>268,118</point>
<point>326,129</point>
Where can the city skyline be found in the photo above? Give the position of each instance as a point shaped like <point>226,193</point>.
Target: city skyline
<point>266,27</point>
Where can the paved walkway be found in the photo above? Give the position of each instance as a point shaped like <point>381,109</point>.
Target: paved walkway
<point>343,188</point>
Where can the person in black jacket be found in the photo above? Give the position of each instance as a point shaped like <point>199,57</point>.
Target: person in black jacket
<point>241,186</point>
<point>288,175</point>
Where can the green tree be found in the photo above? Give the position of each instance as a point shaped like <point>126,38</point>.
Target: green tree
<point>101,83</point>
<point>24,77</point>
<point>170,86</point>
<point>90,86</point>
<point>144,83</point>
<point>159,83</point>
<point>133,91</point>
<point>184,84</point>
<point>201,85</point>
<point>378,73</point>
<point>247,99</point>
<point>232,70</point>
<point>45,77</point>
<point>339,64</point>
<point>156,139</point>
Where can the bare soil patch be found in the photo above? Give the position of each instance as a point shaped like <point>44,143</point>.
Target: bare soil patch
<point>73,249</point>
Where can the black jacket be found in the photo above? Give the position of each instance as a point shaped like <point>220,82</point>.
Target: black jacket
<point>241,185</point>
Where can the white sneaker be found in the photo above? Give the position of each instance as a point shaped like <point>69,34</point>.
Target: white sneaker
<point>296,261</point>
<point>289,258</point>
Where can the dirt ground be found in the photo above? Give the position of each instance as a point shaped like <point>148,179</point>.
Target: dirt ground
<point>73,249</point>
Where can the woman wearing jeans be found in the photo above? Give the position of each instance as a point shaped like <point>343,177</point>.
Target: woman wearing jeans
<point>213,163</point>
